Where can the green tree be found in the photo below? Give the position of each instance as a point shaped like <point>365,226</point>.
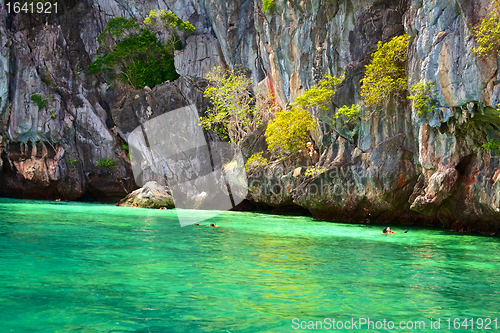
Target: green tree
<point>319,95</point>
<point>256,161</point>
<point>345,111</point>
<point>139,59</point>
<point>233,113</point>
<point>289,131</point>
<point>313,171</point>
<point>117,27</point>
<point>40,102</point>
<point>160,20</point>
<point>136,54</point>
<point>421,94</point>
<point>487,33</point>
<point>268,5</point>
<point>491,145</point>
<point>72,163</point>
<point>386,74</point>
<point>167,20</point>
<point>108,163</point>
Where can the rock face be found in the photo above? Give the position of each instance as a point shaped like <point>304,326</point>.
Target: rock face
<point>151,195</point>
<point>392,166</point>
<point>51,149</point>
<point>201,54</point>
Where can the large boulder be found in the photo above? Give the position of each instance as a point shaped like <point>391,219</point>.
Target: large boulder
<point>151,195</point>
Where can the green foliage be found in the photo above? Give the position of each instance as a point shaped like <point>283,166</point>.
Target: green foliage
<point>167,19</point>
<point>72,163</point>
<point>137,55</point>
<point>53,115</point>
<point>46,79</point>
<point>289,131</point>
<point>268,5</point>
<point>108,163</point>
<point>386,74</point>
<point>313,171</point>
<point>487,33</point>
<point>350,112</point>
<point>492,145</point>
<point>160,21</point>
<point>117,26</point>
<point>125,147</point>
<point>232,114</point>
<point>40,102</point>
<point>256,161</point>
<point>141,59</point>
<point>421,94</point>
<point>319,95</point>
<point>95,66</point>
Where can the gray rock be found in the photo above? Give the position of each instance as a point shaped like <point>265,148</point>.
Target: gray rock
<point>151,195</point>
<point>200,55</point>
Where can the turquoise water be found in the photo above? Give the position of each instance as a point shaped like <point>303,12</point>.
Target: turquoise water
<point>78,267</point>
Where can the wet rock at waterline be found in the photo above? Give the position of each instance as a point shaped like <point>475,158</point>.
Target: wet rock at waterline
<point>151,195</point>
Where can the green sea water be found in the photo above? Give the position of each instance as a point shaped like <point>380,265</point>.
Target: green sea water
<point>80,267</point>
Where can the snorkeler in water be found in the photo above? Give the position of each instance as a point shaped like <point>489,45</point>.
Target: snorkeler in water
<point>387,231</point>
<point>214,225</point>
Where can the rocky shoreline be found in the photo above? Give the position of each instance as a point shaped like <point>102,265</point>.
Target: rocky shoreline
<point>391,167</point>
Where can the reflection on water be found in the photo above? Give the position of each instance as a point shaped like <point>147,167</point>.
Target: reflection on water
<point>90,268</point>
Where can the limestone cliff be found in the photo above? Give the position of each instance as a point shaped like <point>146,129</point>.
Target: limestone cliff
<point>393,166</point>
<point>52,151</point>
